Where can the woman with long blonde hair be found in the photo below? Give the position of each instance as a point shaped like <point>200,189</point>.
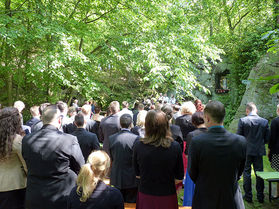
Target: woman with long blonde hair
<point>91,191</point>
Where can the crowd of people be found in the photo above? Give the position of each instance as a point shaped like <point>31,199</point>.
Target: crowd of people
<point>62,157</point>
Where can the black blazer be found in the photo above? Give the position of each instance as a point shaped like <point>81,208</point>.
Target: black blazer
<point>177,135</point>
<point>255,130</point>
<point>108,126</point>
<point>190,136</point>
<point>32,121</point>
<point>103,197</point>
<point>88,141</point>
<point>53,159</point>
<point>215,163</point>
<point>185,124</point>
<point>274,136</point>
<point>37,126</point>
<point>121,147</point>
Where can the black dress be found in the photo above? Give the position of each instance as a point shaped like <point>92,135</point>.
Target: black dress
<point>274,144</point>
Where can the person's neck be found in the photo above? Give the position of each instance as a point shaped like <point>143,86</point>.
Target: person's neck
<point>201,126</point>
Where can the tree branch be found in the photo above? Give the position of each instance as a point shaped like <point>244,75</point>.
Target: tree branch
<point>102,15</point>
<point>75,8</point>
<point>240,19</point>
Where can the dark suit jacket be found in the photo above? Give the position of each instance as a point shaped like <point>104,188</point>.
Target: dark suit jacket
<point>88,141</point>
<point>92,127</point>
<point>274,136</point>
<point>32,121</point>
<point>177,135</point>
<point>121,147</point>
<point>255,130</point>
<point>37,126</point>
<point>108,126</point>
<point>185,124</point>
<point>53,160</point>
<point>215,163</point>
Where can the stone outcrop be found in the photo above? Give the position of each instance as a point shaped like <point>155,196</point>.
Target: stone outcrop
<point>257,91</point>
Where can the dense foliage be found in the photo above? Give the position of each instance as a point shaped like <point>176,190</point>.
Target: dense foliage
<point>124,49</point>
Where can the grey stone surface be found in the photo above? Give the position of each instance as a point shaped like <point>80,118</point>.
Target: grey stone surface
<point>258,90</point>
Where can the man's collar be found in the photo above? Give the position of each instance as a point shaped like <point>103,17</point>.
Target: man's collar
<point>212,127</point>
<point>125,129</point>
<point>252,113</point>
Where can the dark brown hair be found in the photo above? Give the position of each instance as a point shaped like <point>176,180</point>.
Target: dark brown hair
<point>157,131</point>
<point>216,110</point>
<point>197,118</point>
<point>10,125</point>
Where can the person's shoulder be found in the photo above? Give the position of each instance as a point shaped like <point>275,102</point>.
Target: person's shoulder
<point>275,120</point>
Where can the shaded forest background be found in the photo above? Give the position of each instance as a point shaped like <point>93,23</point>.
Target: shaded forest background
<point>126,49</point>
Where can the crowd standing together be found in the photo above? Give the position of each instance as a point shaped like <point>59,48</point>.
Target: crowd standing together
<point>62,157</point>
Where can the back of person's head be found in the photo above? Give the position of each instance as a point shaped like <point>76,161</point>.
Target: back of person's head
<point>158,106</point>
<point>50,114</point>
<point>97,110</point>
<point>197,118</point>
<point>141,118</point>
<point>72,110</point>
<point>75,101</point>
<point>19,105</point>
<point>126,121</point>
<point>34,110</point>
<point>157,130</point>
<point>167,109</point>
<point>79,120</point>
<point>95,169</point>
<point>251,107</point>
<point>216,111</point>
<point>188,108</point>
<point>86,110</point>
<point>42,107</point>
<point>125,104</point>
<point>176,108</point>
<point>114,107</point>
<point>141,106</point>
<point>63,107</point>
<point>10,125</point>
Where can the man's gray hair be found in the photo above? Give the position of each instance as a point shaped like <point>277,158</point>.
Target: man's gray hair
<point>50,113</point>
<point>114,107</point>
<point>251,106</point>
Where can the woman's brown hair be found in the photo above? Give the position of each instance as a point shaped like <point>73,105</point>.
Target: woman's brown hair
<point>10,125</point>
<point>157,131</point>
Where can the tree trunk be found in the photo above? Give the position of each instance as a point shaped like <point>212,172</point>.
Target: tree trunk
<point>276,13</point>
<point>9,81</point>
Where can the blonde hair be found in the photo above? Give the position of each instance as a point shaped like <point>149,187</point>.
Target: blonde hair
<point>141,118</point>
<point>91,173</point>
<point>188,108</point>
<point>86,110</point>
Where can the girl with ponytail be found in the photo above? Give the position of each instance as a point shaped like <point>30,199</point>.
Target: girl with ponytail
<point>91,191</point>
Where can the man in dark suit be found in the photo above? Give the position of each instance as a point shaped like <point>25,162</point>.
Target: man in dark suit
<point>121,146</point>
<point>34,110</point>
<point>53,160</point>
<point>91,125</point>
<point>216,162</point>
<point>110,125</point>
<point>88,141</point>
<point>39,124</point>
<point>255,130</point>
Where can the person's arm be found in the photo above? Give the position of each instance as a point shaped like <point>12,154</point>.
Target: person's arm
<point>193,161</point>
<point>76,158</point>
<point>135,161</point>
<point>179,167</point>
<point>18,149</point>
<point>243,160</point>
<point>240,127</point>
<point>267,134</point>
